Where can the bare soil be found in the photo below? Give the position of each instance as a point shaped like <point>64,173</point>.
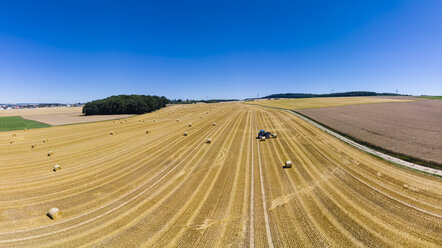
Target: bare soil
<point>411,128</point>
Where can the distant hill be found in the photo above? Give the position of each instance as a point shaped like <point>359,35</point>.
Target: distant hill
<point>343,94</point>
<point>180,101</point>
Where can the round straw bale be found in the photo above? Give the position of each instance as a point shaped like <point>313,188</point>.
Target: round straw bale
<point>54,213</point>
<point>11,141</point>
<point>288,164</point>
<point>190,124</point>
<point>154,120</point>
<point>214,124</point>
<point>147,131</point>
<point>209,141</point>
<point>33,145</point>
<point>275,135</point>
<point>177,120</point>
<point>57,167</point>
<point>111,132</point>
<point>45,140</point>
<point>201,116</point>
<point>185,133</point>
<point>50,153</point>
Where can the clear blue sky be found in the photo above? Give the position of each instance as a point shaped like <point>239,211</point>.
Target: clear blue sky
<point>69,51</point>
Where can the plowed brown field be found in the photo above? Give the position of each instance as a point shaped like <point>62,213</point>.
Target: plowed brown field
<point>411,128</point>
<point>133,189</point>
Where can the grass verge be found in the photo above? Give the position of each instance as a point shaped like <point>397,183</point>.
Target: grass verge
<point>431,97</point>
<point>9,123</point>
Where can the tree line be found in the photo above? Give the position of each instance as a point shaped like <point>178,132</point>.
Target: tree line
<point>187,101</point>
<point>343,94</point>
<point>125,104</point>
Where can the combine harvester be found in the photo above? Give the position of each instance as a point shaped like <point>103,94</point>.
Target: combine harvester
<point>263,135</point>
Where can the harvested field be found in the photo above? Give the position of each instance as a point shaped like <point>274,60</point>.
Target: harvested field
<point>322,102</point>
<point>40,111</point>
<point>411,128</point>
<point>58,115</point>
<point>165,189</point>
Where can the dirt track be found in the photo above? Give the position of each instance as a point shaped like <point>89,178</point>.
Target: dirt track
<point>165,189</point>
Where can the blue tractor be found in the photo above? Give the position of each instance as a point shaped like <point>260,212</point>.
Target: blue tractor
<point>263,135</point>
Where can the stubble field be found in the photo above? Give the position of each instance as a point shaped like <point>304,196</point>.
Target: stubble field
<point>58,115</point>
<point>322,102</point>
<point>162,188</point>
